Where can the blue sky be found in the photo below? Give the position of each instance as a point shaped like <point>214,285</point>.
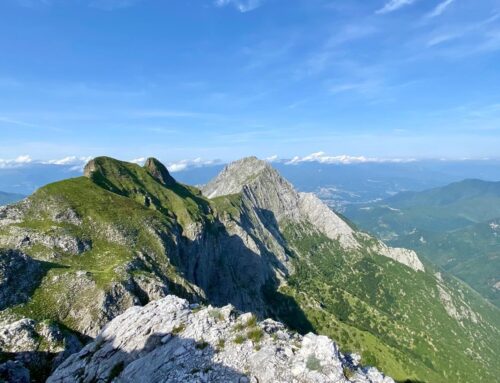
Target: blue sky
<point>182,79</point>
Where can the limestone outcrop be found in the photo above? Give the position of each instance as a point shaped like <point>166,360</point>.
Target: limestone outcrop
<point>172,341</point>
<point>267,190</point>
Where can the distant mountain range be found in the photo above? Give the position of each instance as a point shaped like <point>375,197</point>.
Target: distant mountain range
<point>340,185</point>
<point>456,227</point>
<point>125,235</point>
<point>6,198</point>
<point>337,184</point>
<point>27,178</point>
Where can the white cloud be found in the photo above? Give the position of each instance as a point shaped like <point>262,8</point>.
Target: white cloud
<point>328,54</point>
<point>323,158</point>
<point>23,159</point>
<point>241,5</point>
<point>186,164</point>
<point>70,160</point>
<point>273,158</point>
<point>76,163</point>
<point>16,162</point>
<point>440,8</point>
<point>16,122</point>
<point>138,161</point>
<point>477,37</point>
<point>394,5</point>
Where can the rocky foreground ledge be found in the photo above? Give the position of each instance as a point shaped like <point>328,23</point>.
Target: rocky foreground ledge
<point>170,340</point>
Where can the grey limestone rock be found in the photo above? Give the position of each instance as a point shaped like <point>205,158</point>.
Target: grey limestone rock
<point>19,275</point>
<point>171,341</point>
<point>266,190</point>
<point>32,345</point>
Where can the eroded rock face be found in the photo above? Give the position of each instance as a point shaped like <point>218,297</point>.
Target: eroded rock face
<point>232,263</point>
<point>171,341</point>
<point>234,176</point>
<point>265,190</point>
<point>455,308</point>
<point>27,335</point>
<point>19,275</point>
<point>327,221</point>
<point>12,213</point>
<point>159,171</point>
<point>405,256</point>
<point>19,238</point>
<point>35,346</point>
<point>89,168</point>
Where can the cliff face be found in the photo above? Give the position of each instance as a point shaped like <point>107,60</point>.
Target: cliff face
<point>266,190</point>
<point>172,341</point>
<point>126,235</point>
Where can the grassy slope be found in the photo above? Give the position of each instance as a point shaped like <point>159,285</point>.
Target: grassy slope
<point>183,202</point>
<point>449,226</point>
<point>390,314</point>
<point>51,299</point>
<point>471,253</point>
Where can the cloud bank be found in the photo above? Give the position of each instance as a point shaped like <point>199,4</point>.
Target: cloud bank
<point>323,158</point>
<point>178,166</point>
<point>16,162</point>
<point>186,164</point>
<point>76,164</point>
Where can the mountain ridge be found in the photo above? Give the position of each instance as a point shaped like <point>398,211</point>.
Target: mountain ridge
<point>251,173</point>
<point>120,237</point>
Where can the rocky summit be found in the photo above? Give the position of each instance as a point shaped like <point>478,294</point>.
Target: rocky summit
<point>79,253</point>
<point>268,191</point>
<point>172,341</point>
